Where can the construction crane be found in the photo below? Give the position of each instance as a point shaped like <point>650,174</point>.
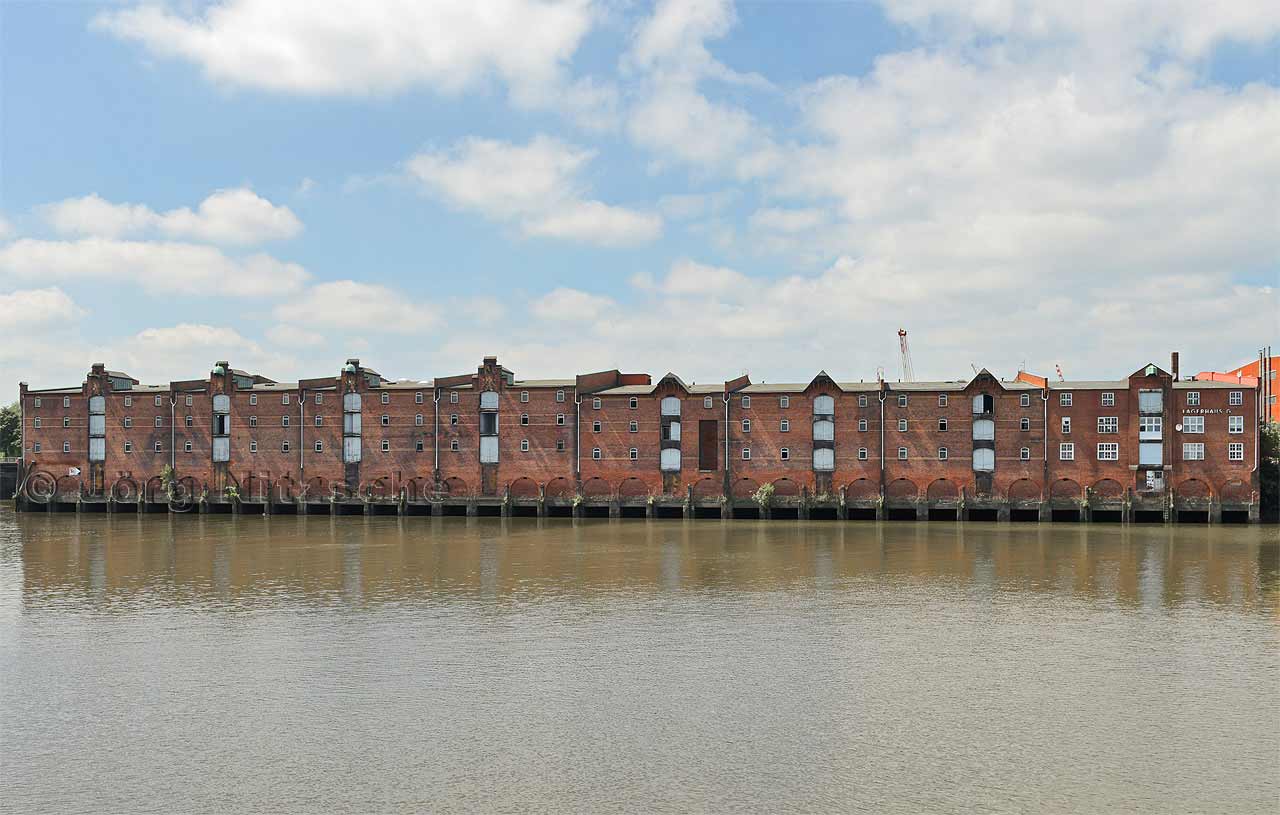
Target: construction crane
<point>1058,368</point>
<point>908,372</point>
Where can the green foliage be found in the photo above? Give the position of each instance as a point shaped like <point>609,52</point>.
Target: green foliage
<point>764,495</point>
<point>1269,472</point>
<point>232,493</point>
<point>10,431</point>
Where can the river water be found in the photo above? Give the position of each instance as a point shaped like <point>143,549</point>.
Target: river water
<point>220,664</point>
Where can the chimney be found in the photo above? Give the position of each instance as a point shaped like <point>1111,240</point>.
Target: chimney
<point>1173,365</point>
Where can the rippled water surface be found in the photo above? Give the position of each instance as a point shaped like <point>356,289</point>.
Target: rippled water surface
<point>219,664</point>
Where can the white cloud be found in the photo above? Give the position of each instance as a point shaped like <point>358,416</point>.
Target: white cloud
<point>158,267</point>
<point>350,305</point>
<point>571,305</point>
<point>788,220</point>
<point>27,308</point>
<point>534,184</point>
<point>293,336</point>
<point>236,216</point>
<point>189,350</point>
<point>6,228</point>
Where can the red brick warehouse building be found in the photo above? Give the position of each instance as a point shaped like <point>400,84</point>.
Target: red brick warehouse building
<point>1147,447</point>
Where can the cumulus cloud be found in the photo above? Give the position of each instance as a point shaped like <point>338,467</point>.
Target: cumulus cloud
<point>536,185</point>
<point>571,305</point>
<point>237,216</point>
<point>27,308</point>
<point>158,267</point>
<point>6,228</point>
<point>349,305</point>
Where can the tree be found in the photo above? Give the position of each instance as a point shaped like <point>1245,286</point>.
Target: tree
<point>10,431</point>
<point>1269,472</point>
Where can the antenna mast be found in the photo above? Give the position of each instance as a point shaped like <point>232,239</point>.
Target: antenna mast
<point>908,371</point>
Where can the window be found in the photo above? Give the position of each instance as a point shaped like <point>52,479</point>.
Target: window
<point>746,401</point>
<point>1067,451</point>
<point>902,425</point>
<point>784,402</point>
<point>670,406</point>
<point>188,421</point>
<point>524,396</point>
<point>128,446</point>
<point>633,403</point>
<point>746,453</point>
<point>417,398</point>
<point>1066,424</point>
<point>524,445</point>
<point>595,403</point>
<point>708,403</point>
<point>560,418</point>
<point>595,453</point>
<point>319,447</point>
<point>634,426</point>
<point>66,421</point>
<point>984,429</point>
<point>1024,423</point>
<point>862,424</point>
<point>453,419</point>
<point>284,398</point>
<point>453,397</point>
<point>824,459</point>
<point>417,420</point>
<point>253,447</point>
<point>386,420</point>
<point>1025,454</point>
<point>128,421</point>
<point>1235,451</point>
<point>253,421</point>
<point>559,396</point>
<point>284,421</point>
<point>253,398</point>
<point>1150,427</point>
<point>127,401</point>
<point>386,446</point>
<point>784,426</point>
<point>902,454</point>
<point>902,400</point>
<point>942,425</point>
<point>524,419</point>
<point>319,421</point>
<point>284,447</point>
<point>862,454</point>
<point>984,460</point>
<point>158,402</point>
<point>453,446</point>
<point>1235,398</point>
<point>66,446</point>
<point>942,400</point>
<point>1024,399</point>
<point>1108,424</point>
<point>1193,398</point>
<point>862,400</point>
<point>824,405</point>
<point>189,400</point>
<point>419,446</point>
<point>159,421</point>
<point>186,447</point>
<point>746,425</point>
<point>1192,424</point>
<point>1193,451</point>
<point>785,454</point>
<point>942,454</point>
<point>1108,399</point>
<point>1108,451</point>
<point>320,398</point>
<point>1150,454</point>
<point>595,426</point>
<point>385,398</point>
<point>1235,424</point>
<point>1064,399</point>
<point>634,453</point>
<point>559,445</point>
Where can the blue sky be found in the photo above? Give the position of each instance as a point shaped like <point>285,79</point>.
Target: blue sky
<point>772,187</point>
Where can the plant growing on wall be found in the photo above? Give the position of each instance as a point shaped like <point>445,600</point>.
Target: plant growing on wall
<point>10,431</point>
<point>232,493</point>
<point>763,495</point>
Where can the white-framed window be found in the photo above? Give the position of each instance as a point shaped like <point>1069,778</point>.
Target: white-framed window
<point>188,421</point>
<point>633,403</point>
<point>902,425</point>
<point>669,460</point>
<point>1108,451</point>
<point>942,454</point>
<point>633,426</point>
<point>284,447</point>
<point>595,426</point>
<point>128,421</point>
<point>66,446</point>
<point>784,426</point>
<point>453,446</point>
<point>453,419</point>
<point>746,425</point>
<point>385,398</point>
<point>419,446</point>
<point>1150,454</point>
<point>386,420</point>
<point>746,401</point>
<point>902,454</point>
<point>386,446</point>
<point>189,400</point>
<point>707,402</point>
<point>1066,424</point>
<point>253,398</point>
<point>1064,399</point>
<point>595,403</point>
<point>634,453</point>
<point>560,419</point>
<point>1108,424</point>
<point>862,424</point>
<point>1024,400</point>
<point>36,422</point>
<point>746,453</point>
<point>253,447</point>
<point>128,447</point>
<point>824,459</point>
<point>1193,398</point>
<point>785,454</point>
<point>1235,398</point>
<point>1235,451</point>
<point>1235,424</point>
<point>66,421</point>
<point>284,398</point>
<point>158,402</point>
<point>1024,423</point>
<point>595,453</point>
<point>159,421</point>
<point>784,402</point>
<point>942,425</point>
<point>559,396</point>
<point>319,447</point>
<point>417,420</point>
<point>862,454</point>
<point>320,398</point>
<point>319,421</point>
<point>824,405</point>
<point>453,397</point>
<point>1067,451</point>
<point>128,400</point>
<point>524,419</point>
<point>942,400</point>
<point>862,400</point>
<point>1192,424</point>
<point>1193,451</point>
<point>902,400</point>
<point>186,447</point>
<point>66,401</point>
<point>1108,399</point>
<point>524,445</point>
<point>524,396</point>
<point>284,421</point>
<point>1025,454</point>
<point>1150,427</point>
<point>417,398</point>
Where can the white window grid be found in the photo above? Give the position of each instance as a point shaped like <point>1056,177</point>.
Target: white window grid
<point>1067,451</point>
<point>1192,424</point>
<point>1108,451</point>
<point>1064,399</point>
<point>1193,451</point>
<point>1193,398</point>
<point>1235,424</point>
<point>1235,451</point>
<point>1108,424</point>
<point>1235,398</point>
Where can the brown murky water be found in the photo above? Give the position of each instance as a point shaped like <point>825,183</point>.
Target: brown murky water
<point>353,665</point>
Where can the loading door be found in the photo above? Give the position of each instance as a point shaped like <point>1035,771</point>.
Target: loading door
<point>707,438</point>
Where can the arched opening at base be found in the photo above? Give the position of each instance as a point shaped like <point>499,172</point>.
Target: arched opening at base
<point>417,509</point>
<point>631,511</point>
<point>706,512</point>
<point>1106,516</point>
<point>671,511</point>
<point>559,511</point>
<point>348,508</point>
<point>1153,516</point>
<point>1235,516</point>
<point>382,509</point>
<point>593,511</point>
<point>823,514</point>
<point>746,513</point>
<point>524,511</point>
<point>1070,516</point>
<point>488,511</point>
<point>1026,516</point>
<point>454,510</point>
<point>902,514</point>
<point>861,513</point>
<point>942,514</point>
<point>984,515</point>
<point>1193,516</point>
<point>784,513</point>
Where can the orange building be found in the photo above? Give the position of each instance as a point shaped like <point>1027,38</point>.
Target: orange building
<point>1248,376</point>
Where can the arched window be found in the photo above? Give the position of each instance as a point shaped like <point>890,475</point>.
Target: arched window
<point>670,406</point>
<point>984,459</point>
<point>824,430</point>
<point>824,405</point>
<point>984,403</point>
<point>984,430</point>
<point>670,460</point>
<point>824,459</point>
<point>489,400</point>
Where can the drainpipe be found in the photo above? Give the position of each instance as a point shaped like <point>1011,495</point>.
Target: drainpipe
<point>577,439</point>
<point>173,431</point>
<point>22,434</point>
<point>302,443</point>
<point>727,398</point>
<point>881,439</point>
<point>1044,486</point>
<point>435,435</point>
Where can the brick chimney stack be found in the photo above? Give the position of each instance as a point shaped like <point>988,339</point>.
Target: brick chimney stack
<point>1173,365</point>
